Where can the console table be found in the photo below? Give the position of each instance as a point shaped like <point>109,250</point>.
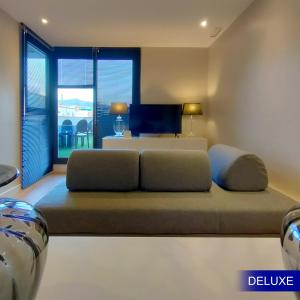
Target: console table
<point>160,143</point>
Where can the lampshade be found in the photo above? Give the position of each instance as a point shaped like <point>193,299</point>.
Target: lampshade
<point>118,108</point>
<point>192,109</point>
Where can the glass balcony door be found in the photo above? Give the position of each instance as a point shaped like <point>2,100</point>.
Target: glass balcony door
<point>75,105</point>
<point>75,119</point>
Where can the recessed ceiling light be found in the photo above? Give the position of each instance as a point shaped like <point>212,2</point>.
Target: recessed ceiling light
<point>203,23</point>
<point>44,21</point>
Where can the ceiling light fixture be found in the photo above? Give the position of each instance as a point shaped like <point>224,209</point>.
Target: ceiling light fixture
<point>203,23</point>
<point>44,21</point>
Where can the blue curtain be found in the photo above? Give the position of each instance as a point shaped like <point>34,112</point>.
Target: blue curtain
<point>36,108</point>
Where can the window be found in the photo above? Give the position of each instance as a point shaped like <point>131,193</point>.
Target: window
<point>36,110</point>
<point>118,80</point>
<point>88,81</point>
<point>75,119</point>
<point>114,84</point>
<point>71,88</point>
<point>75,105</point>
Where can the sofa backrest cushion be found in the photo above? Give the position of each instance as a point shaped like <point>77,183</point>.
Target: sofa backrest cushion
<point>237,170</point>
<point>103,170</point>
<point>176,170</point>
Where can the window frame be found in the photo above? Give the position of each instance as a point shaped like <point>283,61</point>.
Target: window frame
<point>96,53</point>
<point>65,53</point>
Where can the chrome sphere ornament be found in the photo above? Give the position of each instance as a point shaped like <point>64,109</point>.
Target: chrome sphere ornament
<point>290,239</point>
<point>23,249</point>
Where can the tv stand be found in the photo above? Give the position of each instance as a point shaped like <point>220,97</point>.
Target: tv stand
<point>160,143</point>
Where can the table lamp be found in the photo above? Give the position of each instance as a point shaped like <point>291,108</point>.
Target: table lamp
<point>192,109</point>
<point>119,109</point>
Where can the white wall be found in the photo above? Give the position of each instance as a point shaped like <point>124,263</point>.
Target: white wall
<point>254,88</point>
<point>9,92</point>
<point>175,76</point>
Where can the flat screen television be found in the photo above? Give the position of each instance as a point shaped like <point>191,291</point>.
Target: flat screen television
<point>155,118</point>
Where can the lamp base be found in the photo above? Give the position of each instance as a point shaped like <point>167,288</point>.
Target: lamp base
<point>119,134</point>
<point>191,134</point>
<point>119,126</point>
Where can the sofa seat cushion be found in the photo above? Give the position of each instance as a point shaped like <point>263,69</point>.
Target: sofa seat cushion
<point>237,170</point>
<point>138,212</point>
<point>103,170</point>
<point>178,170</point>
<point>159,213</point>
<point>251,212</point>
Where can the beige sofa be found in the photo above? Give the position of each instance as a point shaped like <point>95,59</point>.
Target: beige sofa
<point>165,193</point>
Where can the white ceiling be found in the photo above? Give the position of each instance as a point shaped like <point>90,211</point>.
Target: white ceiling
<point>126,23</point>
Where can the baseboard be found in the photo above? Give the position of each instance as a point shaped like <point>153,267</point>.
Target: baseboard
<point>284,192</point>
<point>62,168</point>
<point>10,190</point>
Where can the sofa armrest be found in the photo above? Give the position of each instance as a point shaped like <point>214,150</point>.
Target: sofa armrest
<point>237,170</point>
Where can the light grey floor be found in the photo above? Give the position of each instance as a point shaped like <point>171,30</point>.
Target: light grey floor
<point>144,268</point>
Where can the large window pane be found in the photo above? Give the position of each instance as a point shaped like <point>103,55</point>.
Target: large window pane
<point>114,81</point>
<point>114,84</point>
<point>75,120</point>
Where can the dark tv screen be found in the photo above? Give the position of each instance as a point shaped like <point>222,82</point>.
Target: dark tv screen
<point>151,118</point>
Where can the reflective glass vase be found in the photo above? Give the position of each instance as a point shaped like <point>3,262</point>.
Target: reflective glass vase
<point>23,249</point>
